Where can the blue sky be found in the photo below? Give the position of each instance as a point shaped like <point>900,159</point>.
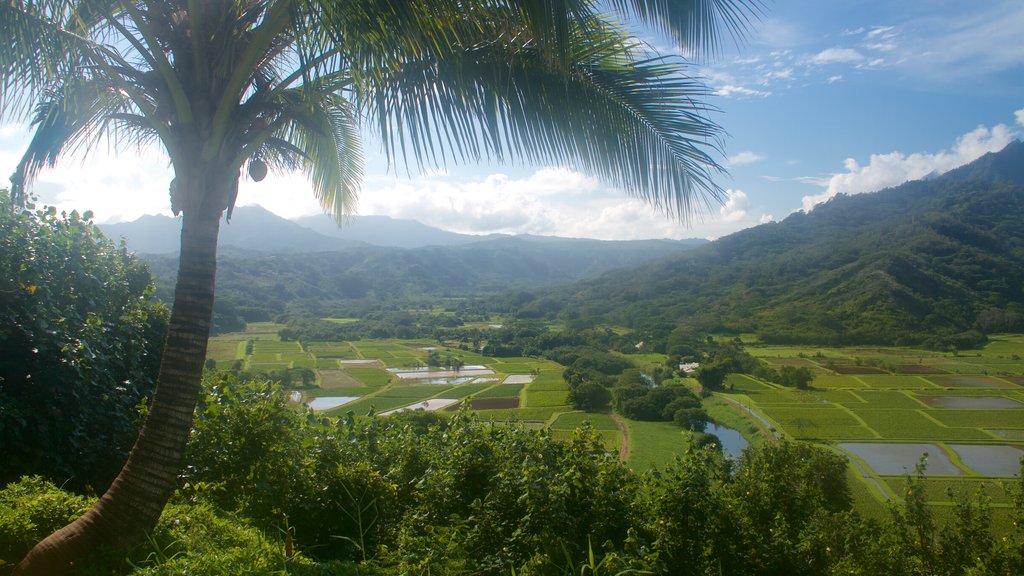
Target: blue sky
<point>823,97</point>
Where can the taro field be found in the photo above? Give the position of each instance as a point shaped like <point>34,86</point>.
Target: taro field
<point>384,376</point>
<point>889,410</point>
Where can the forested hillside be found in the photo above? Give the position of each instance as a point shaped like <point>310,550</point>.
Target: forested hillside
<point>937,262</point>
<point>255,286</point>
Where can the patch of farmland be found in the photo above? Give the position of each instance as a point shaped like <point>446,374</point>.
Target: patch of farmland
<point>895,382</point>
<point>838,396</point>
<point>321,403</point>
<point>549,380</point>
<point>327,363</point>
<point>331,349</point>
<point>745,384</point>
<point>888,399</point>
<point>610,439</point>
<point>912,424</point>
<point>854,369</point>
<point>940,489</point>
<point>919,369</point>
<point>1009,434</point>
<point>370,376</point>
<point>338,379</point>
<point>789,362</point>
<point>573,420</point>
<point>971,402</point>
<point>479,403</point>
<point>891,459</point>
<point>428,405</point>
<point>317,392</point>
<point>302,362</point>
<point>990,460</point>
<point>412,392</point>
<point>464,390</point>
<point>830,381</point>
<point>501,391</point>
<point>537,398</point>
<point>522,414</point>
<point>653,444</point>
<point>378,404</point>
<point>219,350</point>
<point>968,380</point>
<point>784,396</point>
<point>519,379</point>
<point>997,419</point>
<point>826,422</point>
<point>514,367</point>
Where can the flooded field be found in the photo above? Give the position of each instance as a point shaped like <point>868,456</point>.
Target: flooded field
<point>428,405</point>
<point>328,402</point>
<point>898,459</point>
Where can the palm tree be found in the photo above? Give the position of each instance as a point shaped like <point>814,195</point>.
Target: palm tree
<point>227,85</point>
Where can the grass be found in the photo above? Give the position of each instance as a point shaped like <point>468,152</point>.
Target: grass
<point>573,420</point>
<point>537,398</point>
<point>653,444</point>
<point>370,376</point>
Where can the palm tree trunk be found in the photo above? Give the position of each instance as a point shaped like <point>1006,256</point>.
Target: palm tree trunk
<point>132,505</point>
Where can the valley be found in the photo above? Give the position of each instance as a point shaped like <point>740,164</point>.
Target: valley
<point>882,408</point>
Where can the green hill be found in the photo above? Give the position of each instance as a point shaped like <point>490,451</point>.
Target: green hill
<point>936,262</point>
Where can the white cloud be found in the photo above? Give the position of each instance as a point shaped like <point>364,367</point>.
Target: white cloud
<point>837,55</point>
<point>1019,115</point>
<point>834,78</point>
<point>894,168</point>
<point>731,90</point>
<point>880,32</point>
<point>745,157</point>
<point>735,207</point>
<point>766,218</point>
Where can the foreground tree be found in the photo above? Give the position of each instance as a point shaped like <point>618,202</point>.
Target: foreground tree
<point>79,347</point>
<point>285,84</point>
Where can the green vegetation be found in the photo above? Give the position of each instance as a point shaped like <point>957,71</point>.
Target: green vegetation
<point>80,342</point>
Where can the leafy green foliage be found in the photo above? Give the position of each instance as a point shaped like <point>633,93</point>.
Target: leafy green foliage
<point>30,509</point>
<point>79,347</point>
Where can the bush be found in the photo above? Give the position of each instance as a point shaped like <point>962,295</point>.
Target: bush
<point>30,510</point>
<point>80,342</point>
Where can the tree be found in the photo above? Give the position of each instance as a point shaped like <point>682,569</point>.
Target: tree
<point>590,397</point>
<point>80,337</point>
<point>286,84</point>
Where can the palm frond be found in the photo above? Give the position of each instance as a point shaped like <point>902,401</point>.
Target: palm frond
<point>319,134</point>
<point>70,119</point>
<point>636,122</point>
<point>696,25</point>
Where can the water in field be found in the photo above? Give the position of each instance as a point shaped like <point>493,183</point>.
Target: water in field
<point>989,460</point>
<point>328,402</point>
<point>733,442</point>
<point>895,459</point>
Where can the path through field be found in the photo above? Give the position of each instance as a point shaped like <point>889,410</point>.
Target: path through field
<point>624,446</point>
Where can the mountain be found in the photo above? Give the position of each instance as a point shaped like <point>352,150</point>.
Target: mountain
<point>261,285</point>
<point>386,231</point>
<point>251,227</point>
<point>935,262</point>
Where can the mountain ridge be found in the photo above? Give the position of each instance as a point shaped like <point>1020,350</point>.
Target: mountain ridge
<point>934,262</point>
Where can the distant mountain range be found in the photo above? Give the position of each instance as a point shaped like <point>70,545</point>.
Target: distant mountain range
<point>256,229</point>
<point>269,266</point>
<point>934,262</point>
